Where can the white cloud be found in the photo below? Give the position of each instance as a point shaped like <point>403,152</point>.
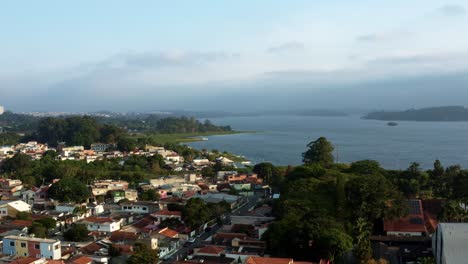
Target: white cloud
<point>287,47</point>
<point>452,10</point>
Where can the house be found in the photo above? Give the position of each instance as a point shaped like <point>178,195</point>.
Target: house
<point>165,214</point>
<point>265,260</point>
<point>10,188</point>
<point>32,247</point>
<point>209,251</point>
<point>139,207</point>
<point>201,162</point>
<point>11,208</point>
<point>101,147</point>
<point>169,233</point>
<point>450,243</point>
<point>411,225</point>
<point>101,224</point>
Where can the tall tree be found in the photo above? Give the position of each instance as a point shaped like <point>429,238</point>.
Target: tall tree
<point>320,151</point>
<point>143,254</point>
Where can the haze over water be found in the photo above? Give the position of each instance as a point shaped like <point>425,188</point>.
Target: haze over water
<point>282,139</point>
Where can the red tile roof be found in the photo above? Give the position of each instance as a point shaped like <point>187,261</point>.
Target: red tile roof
<point>260,260</point>
<point>167,212</point>
<point>212,250</point>
<point>121,236</point>
<point>24,260</point>
<point>413,222</point>
<point>91,248</point>
<point>81,260</point>
<point>168,232</point>
<point>22,223</point>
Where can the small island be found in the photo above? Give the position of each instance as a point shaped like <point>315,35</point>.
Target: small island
<point>444,113</point>
<point>392,124</point>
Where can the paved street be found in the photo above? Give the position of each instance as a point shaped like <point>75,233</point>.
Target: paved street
<point>182,252</point>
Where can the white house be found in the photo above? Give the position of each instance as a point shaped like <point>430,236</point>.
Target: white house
<point>101,224</point>
<point>11,208</point>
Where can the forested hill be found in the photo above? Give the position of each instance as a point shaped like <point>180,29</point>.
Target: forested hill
<point>445,113</point>
<point>84,130</point>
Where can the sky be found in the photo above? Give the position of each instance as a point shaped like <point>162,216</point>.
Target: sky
<point>152,55</point>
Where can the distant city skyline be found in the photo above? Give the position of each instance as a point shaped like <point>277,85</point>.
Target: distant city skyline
<point>123,56</point>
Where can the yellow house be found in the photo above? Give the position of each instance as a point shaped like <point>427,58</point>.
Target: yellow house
<point>11,208</point>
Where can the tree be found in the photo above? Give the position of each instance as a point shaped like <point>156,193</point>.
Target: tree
<point>23,215</point>
<point>171,222</point>
<point>69,190</point>
<point>149,195</point>
<point>143,254</point>
<point>266,171</point>
<point>208,173</point>
<point>320,151</point>
<point>78,233</point>
<point>195,213</point>
<point>19,164</point>
<point>47,222</point>
<point>38,230</point>
<point>365,167</point>
<point>437,179</point>
<point>362,250</point>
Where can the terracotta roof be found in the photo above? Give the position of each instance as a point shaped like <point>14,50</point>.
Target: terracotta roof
<point>121,236</point>
<point>22,223</point>
<point>51,261</point>
<point>91,248</point>
<point>124,249</point>
<point>81,260</point>
<point>167,212</point>
<point>144,222</point>
<point>413,222</point>
<point>168,232</point>
<point>260,260</point>
<point>213,250</point>
<point>24,260</point>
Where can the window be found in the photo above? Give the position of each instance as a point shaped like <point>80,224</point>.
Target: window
<point>144,208</point>
<point>36,246</point>
<point>12,243</point>
<point>56,247</point>
<point>23,245</point>
<point>25,254</point>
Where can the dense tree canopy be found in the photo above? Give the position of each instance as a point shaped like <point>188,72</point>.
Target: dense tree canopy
<point>69,190</point>
<point>320,151</point>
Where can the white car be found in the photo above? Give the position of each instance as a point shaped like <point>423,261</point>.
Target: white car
<point>191,240</point>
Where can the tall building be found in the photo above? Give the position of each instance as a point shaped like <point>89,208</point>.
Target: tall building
<point>2,109</point>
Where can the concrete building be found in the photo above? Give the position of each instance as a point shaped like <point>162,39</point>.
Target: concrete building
<point>2,110</point>
<point>11,208</point>
<point>32,247</point>
<point>450,243</point>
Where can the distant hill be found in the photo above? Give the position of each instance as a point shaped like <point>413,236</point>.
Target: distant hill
<point>443,113</point>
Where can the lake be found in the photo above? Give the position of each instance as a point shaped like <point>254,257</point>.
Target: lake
<point>282,139</point>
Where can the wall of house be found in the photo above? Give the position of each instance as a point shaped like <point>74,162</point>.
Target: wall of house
<point>51,251</point>
<point>22,248</point>
<point>396,233</point>
<point>8,248</point>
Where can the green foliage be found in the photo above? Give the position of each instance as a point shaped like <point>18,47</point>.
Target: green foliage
<point>19,164</point>
<point>320,151</point>
<point>365,167</point>
<point>208,173</point>
<point>267,171</point>
<point>47,222</point>
<point>172,223</point>
<point>362,250</point>
<point>149,195</point>
<point>195,213</point>
<point>69,190</point>
<point>38,230</point>
<point>306,171</point>
<point>9,138</point>
<point>372,197</point>
<point>23,216</point>
<point>143,254</point>
<point>77,233</point>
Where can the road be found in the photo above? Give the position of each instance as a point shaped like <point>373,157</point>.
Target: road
<point>182,252</point>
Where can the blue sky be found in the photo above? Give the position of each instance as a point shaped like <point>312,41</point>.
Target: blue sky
<point>54,49</point>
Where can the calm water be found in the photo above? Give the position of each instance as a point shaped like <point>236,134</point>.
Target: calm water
<point>282,139</point>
